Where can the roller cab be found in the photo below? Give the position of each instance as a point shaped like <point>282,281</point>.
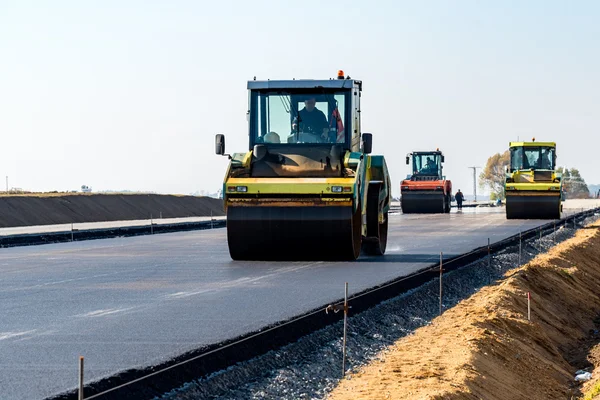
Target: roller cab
<point>533,188</point>
<point>426,190</point>
<point>307,187</point>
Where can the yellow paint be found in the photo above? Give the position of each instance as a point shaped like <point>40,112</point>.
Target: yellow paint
<point>525,193</point>
<point>543,187</point>
<point>292,202</point>
<point>528,177</point>
<point>291,185</point>
<point>523,178</point>
<point>247,159</point>
<point>532,144</point>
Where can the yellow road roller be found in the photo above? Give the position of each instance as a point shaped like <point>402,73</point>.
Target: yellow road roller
<point>307,188</point>
<point>533,188</point>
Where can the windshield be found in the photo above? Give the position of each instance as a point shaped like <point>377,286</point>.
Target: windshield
<point>296,117</point>
<point>426,164</point>
<point>532,157</point>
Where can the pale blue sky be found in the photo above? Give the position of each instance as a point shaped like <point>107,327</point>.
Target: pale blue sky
<point>129,94</point>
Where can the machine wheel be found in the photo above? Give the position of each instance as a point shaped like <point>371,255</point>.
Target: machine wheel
<point>377,247</point>
<point>377,233</point>
<point>354,245</point>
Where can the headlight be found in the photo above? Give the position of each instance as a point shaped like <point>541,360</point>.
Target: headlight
<point>337,189</point>
<point>242,189</point>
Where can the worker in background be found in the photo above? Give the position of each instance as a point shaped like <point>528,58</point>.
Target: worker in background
<point>459,199</point>
<point>312,120</point>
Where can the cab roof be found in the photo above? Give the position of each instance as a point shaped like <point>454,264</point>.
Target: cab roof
<point>532,144</point>
<point>427,152</point>
<point>305,84</point>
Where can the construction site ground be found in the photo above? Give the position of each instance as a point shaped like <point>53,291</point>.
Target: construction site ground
<point>486,348</point>
<point>48,209</point>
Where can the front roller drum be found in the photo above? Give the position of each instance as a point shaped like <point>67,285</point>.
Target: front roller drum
<point>424,203</point>
<point>533,207</point>
<point>294,233</point>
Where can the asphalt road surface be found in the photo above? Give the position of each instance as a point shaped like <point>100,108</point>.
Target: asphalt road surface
<point>27,230</point>
<point>137,301</point>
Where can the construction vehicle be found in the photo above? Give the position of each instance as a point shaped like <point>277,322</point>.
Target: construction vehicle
<point>427,190</point>
<point>308,187</point>
<point>533,188</point>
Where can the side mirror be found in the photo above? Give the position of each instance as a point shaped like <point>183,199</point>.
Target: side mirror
<point>407,160</point>
<point>220,144</point>
<point>443,158</point>
<point>367,142</point>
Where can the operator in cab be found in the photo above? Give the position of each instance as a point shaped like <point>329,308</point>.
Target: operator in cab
<point>430,167</point>
<point>312,120</point>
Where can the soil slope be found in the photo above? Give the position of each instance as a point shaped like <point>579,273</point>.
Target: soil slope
<point>29,210</point>
<point>485,348</point>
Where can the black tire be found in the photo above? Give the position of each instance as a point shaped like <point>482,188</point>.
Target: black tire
<point>377,248</point>
<point>377,233</point>
<point>354,247</point>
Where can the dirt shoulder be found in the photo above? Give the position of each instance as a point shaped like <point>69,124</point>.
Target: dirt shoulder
<point>27,210</point>
<point>485,348</point>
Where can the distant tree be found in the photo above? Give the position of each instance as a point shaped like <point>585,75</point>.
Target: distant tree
<point>574,185</point>
<point>493,175</point>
